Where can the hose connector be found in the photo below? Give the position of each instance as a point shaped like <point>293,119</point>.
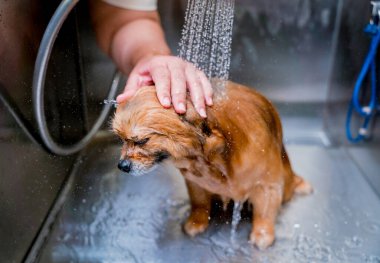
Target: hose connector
<point>363,132</point>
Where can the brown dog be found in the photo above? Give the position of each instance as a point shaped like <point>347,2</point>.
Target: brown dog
<point>236,153</point>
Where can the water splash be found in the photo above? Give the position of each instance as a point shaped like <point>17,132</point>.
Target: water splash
<point>353,242</point>
<point>236,217</point>
<point>371,258</point>
<point>207,37</point>
<point>310,249</point>
<point>112,102</point>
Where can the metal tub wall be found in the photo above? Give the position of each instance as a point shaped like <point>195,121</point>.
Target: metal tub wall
<point>302,54</point>
<point>275,44</point>
<point>31,178</point>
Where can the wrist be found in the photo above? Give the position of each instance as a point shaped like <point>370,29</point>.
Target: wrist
<point>146,55</point>
<point>150,41</point>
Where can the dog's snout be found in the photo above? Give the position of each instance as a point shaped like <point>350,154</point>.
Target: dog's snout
<point>124,165</point>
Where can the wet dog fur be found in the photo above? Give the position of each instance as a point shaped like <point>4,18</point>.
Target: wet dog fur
<point>236,153</point>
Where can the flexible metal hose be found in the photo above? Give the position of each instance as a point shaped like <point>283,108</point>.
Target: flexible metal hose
<point>39,75</point>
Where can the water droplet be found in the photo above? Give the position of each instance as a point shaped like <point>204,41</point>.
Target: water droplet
<point>371,259</point>
<point>308,249</point>
<point>353,242</point>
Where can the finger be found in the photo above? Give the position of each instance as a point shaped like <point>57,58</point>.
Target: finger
<point>130,88</point>
<point>196,92</point>
<point>161,77</point>
<point>178,88</point>
<point>145,81</point>
<point>121,98</point>
<point>207,88</point>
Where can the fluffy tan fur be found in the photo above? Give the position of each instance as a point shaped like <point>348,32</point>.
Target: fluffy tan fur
<point>236,153</point>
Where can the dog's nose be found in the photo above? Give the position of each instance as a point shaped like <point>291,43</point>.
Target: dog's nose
<point>124,165</point>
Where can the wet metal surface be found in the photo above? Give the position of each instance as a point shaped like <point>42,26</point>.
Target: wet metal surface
<point>112,217</point>
<point>368,161</point>
<point>29,181</point>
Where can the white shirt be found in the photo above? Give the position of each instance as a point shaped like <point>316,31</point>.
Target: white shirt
<point>140,5</point>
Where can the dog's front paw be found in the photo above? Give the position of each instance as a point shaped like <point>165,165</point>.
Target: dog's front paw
<point>197,222</point>
<point>262,237</point>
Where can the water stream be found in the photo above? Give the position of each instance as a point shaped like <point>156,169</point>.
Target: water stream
<point>236,217</point>
<point>207,36</point>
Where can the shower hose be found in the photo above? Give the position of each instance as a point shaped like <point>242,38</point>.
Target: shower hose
<point>367,112</point>
<point>44,138</point>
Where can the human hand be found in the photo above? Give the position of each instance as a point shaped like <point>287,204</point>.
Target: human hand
<point>172,77</point>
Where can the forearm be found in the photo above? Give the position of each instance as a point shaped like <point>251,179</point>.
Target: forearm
<point>136,43</point>
<point>136,40</point>
<point>127,35</point>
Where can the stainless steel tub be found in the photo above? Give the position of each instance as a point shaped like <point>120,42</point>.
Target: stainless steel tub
<point>108,216</point>
<point>304,55</point>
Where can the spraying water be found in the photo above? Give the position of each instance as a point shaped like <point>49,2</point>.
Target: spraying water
<point>206,42</point>
<point>207,36</point>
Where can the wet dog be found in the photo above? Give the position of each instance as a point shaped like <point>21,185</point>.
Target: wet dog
<point>236,153</point>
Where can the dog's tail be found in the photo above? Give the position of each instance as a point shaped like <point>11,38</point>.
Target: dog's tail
<point>293,182</point>
<point>301,186</point>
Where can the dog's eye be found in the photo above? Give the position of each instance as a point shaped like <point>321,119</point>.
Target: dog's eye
<point>142,142</point>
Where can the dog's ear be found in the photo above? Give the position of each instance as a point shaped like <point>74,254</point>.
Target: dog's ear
<point>209,135</point>
<point>212,140</point>
<point>193,118</point>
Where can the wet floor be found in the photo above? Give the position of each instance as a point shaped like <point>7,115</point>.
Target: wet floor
<point>111,217</point>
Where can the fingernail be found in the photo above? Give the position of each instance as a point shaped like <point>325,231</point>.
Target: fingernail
<point>166,102</point>
<point>202,112</point>
<point>181,107</point>
<point>209,101</point>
